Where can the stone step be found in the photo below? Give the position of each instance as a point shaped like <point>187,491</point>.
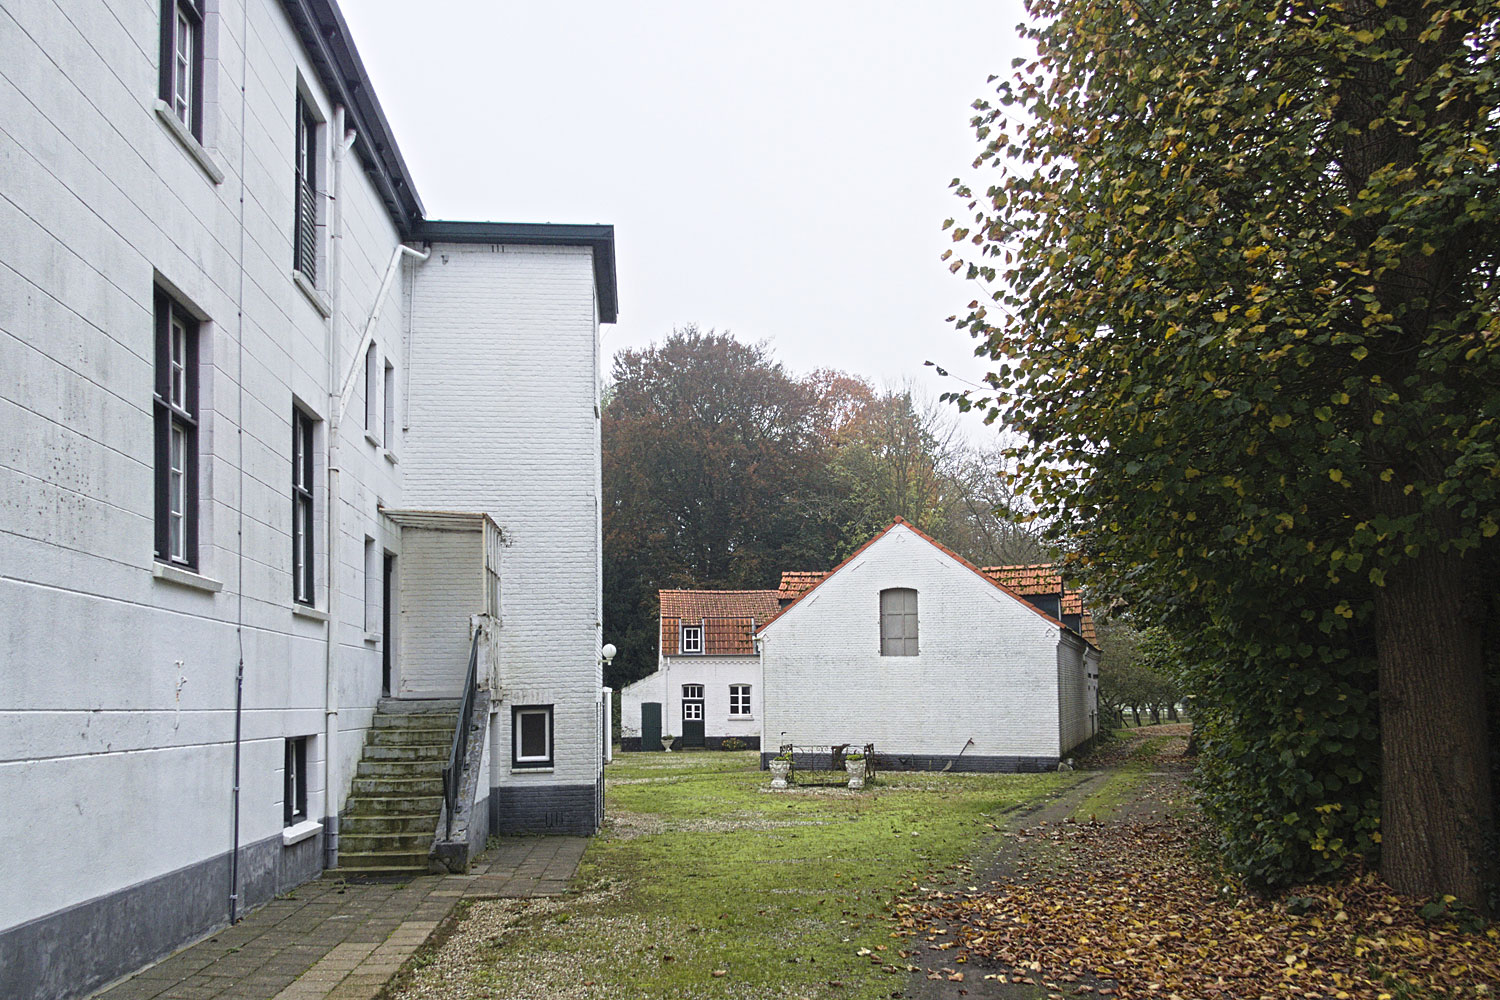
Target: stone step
<point>424,720</point>
<point>417,706</point>
<point>385,861</point>
<point>394,805</point>
<point>385,843</point>
<point>418,752</point>
<point>423,822</point>
<point>400,768</point>
<point>397,787</point>
<point>411,737</point>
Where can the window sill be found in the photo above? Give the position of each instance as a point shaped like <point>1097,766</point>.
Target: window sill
<point>307,611</point>
<point>372,439</point>
<point>741,718</point>
<point>189,142</point>
<point>298,832</point>
<point>390,456</point>
<point>185,578</point>
<point>519,769</point>
<point>317,298</point>
<point>373,638</point>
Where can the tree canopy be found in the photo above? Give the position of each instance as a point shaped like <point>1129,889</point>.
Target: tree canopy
<point>1239,284</point>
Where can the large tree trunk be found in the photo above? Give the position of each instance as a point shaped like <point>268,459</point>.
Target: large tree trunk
<point>1436,809</point>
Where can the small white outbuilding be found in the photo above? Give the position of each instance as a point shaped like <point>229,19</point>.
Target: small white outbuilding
<point>936,662</point>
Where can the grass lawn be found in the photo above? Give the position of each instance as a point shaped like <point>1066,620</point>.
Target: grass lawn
<point>708,884</point>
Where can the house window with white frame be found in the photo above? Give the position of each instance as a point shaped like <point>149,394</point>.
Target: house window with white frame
<point>389,430</point>
<point>692,639</point>
<point>294,782</point>
<point>181,62</point>
<point>898,622</point>
<point>739,699</point>
<point>372,390</point>
<point>531,736</point>
<point>303,561</point>
<point>175,409</point>
<point>305,195</point>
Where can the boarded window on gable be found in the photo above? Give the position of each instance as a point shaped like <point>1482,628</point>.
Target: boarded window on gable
<point>898,622</point>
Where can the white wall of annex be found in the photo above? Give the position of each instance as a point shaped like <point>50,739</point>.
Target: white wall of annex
<point>986,670</point>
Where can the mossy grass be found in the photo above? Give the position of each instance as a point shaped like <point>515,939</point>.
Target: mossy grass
<point>708,884</point>
<point>1122,784</point>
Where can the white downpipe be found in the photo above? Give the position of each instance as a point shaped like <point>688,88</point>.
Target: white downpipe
<point>402,250</point>
<point>331,777</point>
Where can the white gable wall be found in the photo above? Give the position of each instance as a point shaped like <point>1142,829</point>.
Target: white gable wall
<point>987,669</point>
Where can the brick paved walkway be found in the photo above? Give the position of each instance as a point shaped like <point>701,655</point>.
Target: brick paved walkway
<point>344,940</point>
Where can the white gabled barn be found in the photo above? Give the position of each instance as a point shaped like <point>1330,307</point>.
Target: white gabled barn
<point>910,647</point>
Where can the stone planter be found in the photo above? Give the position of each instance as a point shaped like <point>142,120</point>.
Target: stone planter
<point>779,771</point>
<point>856,769</point>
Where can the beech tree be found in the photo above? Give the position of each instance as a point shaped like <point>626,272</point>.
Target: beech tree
<point>1239,283</point>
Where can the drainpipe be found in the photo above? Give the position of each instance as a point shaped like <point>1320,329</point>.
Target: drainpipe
<point>331,779</point>
<point>337,403</point>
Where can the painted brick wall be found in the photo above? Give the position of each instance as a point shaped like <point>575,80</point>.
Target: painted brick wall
<point>440,588</point>
<point>987,668</point>
<point>503,397</point>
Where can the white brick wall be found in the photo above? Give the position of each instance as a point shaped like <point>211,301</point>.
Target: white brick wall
<point>716,674</point>
<point>987,668</point>
<point>117,689</point>
<point>503,419</point>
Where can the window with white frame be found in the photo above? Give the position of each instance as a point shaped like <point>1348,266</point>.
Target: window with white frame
<point>303,569</point>
<point>531,733</point>
<point>692,639</point>
<point>390,406</point>
<point>294,782</point>
<point>175,410</point>
<point>898,622</point>
<point>372,389</point>
<point>181,62</point>
<point>372,587</point>
<point>739,699</point>
<point>305,196</point>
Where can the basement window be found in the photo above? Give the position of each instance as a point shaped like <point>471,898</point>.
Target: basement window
<point>294,782</point>
<point>531,736</point>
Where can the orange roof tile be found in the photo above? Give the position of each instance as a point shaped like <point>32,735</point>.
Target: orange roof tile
<point>1039,579</point>
<point>794,582</point>
<point>729,618</point>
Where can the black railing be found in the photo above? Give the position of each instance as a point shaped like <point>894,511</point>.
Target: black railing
<point>453,772</point>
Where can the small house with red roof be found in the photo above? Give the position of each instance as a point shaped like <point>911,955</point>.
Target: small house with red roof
<point>935,661</point>
<point>707,687</point>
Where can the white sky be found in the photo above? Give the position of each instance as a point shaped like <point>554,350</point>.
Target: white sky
<point>779,171</point>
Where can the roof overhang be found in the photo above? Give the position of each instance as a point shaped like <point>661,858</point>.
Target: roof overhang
<point>439,520</point>
<point>330,47</point>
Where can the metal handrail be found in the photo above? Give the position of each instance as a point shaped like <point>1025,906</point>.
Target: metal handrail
<point>453,771</point>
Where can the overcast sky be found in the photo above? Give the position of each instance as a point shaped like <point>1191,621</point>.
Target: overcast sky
<point>778,170</point>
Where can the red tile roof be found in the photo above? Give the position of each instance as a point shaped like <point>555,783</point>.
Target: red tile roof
<point>794,582</point>
<point>1043,579</point>
<point>729,618</point>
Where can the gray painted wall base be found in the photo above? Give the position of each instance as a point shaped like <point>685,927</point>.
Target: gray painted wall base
<point>931,762</point>
<point>75,951</point>
<point>566,809</point>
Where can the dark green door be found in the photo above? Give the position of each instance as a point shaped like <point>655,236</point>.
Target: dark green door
<point>692,715</point>
<point>650,725</point>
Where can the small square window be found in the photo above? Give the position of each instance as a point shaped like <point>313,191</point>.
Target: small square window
<point>739,699</point>
<point>692,638</point>
<point>531,735</point>
<point>294,782</point>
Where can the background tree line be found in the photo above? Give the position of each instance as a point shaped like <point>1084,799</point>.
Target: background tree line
<point>722,469</point>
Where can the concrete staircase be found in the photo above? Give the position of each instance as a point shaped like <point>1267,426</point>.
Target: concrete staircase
<point>393,807</point>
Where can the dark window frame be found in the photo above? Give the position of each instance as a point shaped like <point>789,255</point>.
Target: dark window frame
<point>191,12</point>
<point>175,411</point>
<point>304,535</point>
<point>517,760</point>
<point>294,782</point>
<point>305,193</point>
<point>904,642</point>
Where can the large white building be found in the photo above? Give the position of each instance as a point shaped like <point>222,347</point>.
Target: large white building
<point>274,448</point>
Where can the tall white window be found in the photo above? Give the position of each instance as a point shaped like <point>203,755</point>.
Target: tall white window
<point>898,622</point>
<point>372,390</point>
<point>303,570</point>
<point>390,405</point>
<point>181,62</point>
<point>373,569</point>
<point>305,196</point>
<point>739,699</point>
<point>176,423</point>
